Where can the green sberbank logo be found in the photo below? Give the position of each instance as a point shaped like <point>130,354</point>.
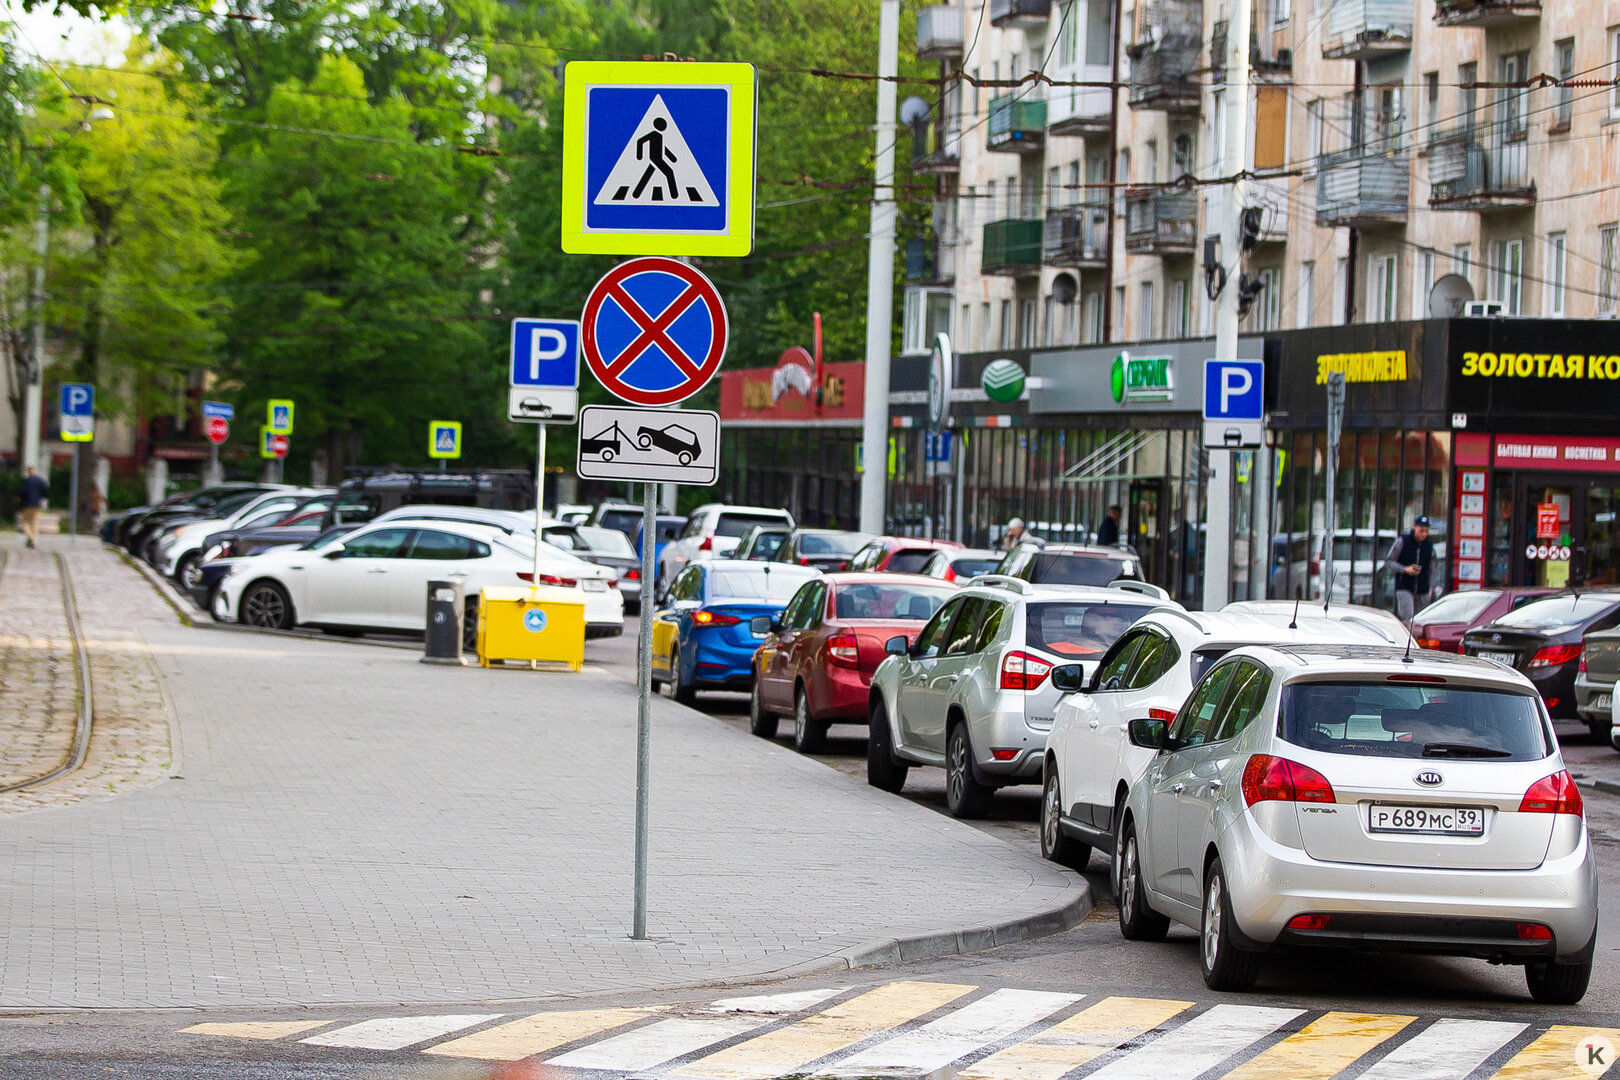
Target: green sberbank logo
<point>1141,378</point>
<point>1003,380</point>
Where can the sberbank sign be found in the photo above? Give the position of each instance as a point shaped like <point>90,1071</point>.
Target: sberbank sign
<point>1142,378</point>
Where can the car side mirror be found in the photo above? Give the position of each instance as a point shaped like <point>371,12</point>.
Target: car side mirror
<point>1149,734</point>
<point>335,553</point>
<point>761,624</point>
<point>897,646</point>
<point>1069,678</point>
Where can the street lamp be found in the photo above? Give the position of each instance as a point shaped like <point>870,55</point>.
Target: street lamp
<point>32,404</point>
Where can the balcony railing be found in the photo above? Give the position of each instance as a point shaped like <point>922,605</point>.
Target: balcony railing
<point>1367,29</point>
<point>1360,188</point>
<point>1017,124</point>
<point>936,146</point>
<point>1080,110</point>
<point>1163,75</point>
<point>1077,236</point>
<point>1261,66</point>
<point>1484,12</point>
<point>1012,247</point>
<point>1019,12</point>
<point>1160,222</point>
<point>939,32</point>
<point>1480,169</point>
<point>930,262</point>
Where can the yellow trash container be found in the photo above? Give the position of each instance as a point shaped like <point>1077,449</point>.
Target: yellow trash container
<point>533,625</point>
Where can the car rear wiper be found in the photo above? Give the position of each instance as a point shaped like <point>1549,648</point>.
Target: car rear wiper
<point>1452,749</point>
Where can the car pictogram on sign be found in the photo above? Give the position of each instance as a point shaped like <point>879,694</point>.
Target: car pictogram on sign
<point>677,440</point>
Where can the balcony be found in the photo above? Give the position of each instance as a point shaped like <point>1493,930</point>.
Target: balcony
<point>1024,13</point>
<point>1012,248</point>
<point>936,147</point>
<point>1160,222</point>
<point>1261,67</point>
<point>1367,29</point>
<point>1077,236</point>
<point>1485,12</point>
<point>930,262</point>
<point>1363,188</point>
<point>1163,75</point>
<point>1080,110</point>
<point>1017,125</point>
<point>939,33</point>
<point>1474,169</point>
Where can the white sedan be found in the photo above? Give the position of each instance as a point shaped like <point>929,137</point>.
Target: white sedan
<point>375,578</point>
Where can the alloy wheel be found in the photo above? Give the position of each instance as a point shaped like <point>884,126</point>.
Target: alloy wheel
<point>1051,809</point>
<point>265,608</point>
<point>955,776</point>
<point>1127,880</point>
<point>1212,922</point>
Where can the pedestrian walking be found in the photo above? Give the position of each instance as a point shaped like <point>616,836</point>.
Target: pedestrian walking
<point>1108,531</point>
<point>33,501</point>
<point>1411,556</point>
<point>1017,533</point>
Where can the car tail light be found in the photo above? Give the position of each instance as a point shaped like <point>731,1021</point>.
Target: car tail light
<point>1308,922</point>
<point>632,575</point>
<point>1582,665</point>
<point>707,545</point>
<point>1166,715</point>
<point>1437,680</point>
<point>1555,794</point>
<point>714,618</point>
<point>1021,671</point>
<point>1003,753</point>
<point>1529,931</point>
<point>549,579</point>
<point>844,650</point>
<point>1268,778</point>
<point>1551,655</point>
<point>613,583</point>
<point>1428,643</point>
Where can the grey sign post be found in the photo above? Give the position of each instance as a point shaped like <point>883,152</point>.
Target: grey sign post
<point>1335,427</point>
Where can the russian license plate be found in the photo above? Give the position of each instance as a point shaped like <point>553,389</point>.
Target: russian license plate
<point>1444,820</point>
<point>1501,656</point>
<point>1601,701</point>
<point>595,585</point>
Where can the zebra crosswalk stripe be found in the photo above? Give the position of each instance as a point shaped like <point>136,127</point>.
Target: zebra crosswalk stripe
<point>996,1016</point>
<point>1553,1055</point>
<point>256,1029</point>
<point>397,1032</point>
<point>1323,1048</point>
<point>650,1046</point>
<point>1069,1044</point>
<point>1445,1050</point>
<point>537,1034</point>
<point>1199,1045</point>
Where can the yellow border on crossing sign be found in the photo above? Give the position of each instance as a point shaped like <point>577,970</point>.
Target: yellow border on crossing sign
<point>738,236</point>
<point>436,426</point>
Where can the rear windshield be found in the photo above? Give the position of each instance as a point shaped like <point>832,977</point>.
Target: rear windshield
<point>868,601</point>
<point>605,541</point>
<point>737,524</point>
<point>625,521</point>
<point>909,562</point>
<point>1380,719</point>
<point>974,567</point>
<point>1072,628</point>
<point>745,586</point>
<point>1459,607</point>
<point>1558,611</point>
<point>831,543</point>
<point>1080,569</point>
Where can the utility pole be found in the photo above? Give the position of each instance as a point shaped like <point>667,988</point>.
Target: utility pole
<point>1234,161</point>
<point>32,405</point>
<point>880,280</point>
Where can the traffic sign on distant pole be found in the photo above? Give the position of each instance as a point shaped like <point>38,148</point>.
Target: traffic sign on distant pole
<point>280,416</point>
<point>218,430</point>
<point>78,425</point>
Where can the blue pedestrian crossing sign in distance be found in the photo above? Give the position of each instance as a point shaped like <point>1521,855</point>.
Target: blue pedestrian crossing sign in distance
<point>78,419</point>
<point>544,370</point>
<point>1234,404</point>
<point>444,439</point>
<point>658,158</point>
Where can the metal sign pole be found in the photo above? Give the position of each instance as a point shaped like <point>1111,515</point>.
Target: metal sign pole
<point>539,498</point>
<point>649,545</point>
<point>73,498</point>
<point>1335,426</point>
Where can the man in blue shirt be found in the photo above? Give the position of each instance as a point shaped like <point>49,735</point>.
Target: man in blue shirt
<point>33,500</point>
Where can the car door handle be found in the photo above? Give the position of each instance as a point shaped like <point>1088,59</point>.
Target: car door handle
<point>1178,788</point>
<point>1092,725</point>
<point>376,570</point>
<point>1214,785</point>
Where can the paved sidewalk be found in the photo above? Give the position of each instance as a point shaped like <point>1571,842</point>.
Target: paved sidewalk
<point>354,826</point>
<point>38,683</point>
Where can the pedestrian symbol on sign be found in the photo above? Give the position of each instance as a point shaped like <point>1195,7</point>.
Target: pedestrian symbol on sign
<point>444,439</point>
<point>656,163</point>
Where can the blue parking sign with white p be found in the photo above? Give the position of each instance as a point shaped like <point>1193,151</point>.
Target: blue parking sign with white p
<point>545,352</point>
<point>78,399</point>
<point>1234,403</point>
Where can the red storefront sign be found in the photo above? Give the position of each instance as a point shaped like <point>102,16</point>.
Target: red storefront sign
<point>787,392</point>
<point>1556,454</point>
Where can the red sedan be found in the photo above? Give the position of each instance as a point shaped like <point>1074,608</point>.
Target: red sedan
<point>817,661</point>
<point>1441,625</point>
<point>899,554</point>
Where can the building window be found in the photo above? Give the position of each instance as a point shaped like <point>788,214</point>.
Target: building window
<point>1268,303</point>
<point>964,333</point>
<point>1069,34</point>
<point>1341,291</point>
<point>1467,96</point>
<point>1510,103</point>
<point>1462,262</point>
<point>1026,324</point>
<point>927,315</point>
<point>1422,282</point>
<point>1178,316</point>
<point>1608,269</point>
<point>1007,327</point>
<point>986,331</point>
<point>1217,134</point>
<point>1305,311</point>
<point>1144,311</point>
<point>1381,288</point>
<point>1313,133</point>
<point>1029,192</point>
<point>1564,61</point>
<point>1614,70</point>
<point>1553,275</point>
<point>1279,12</point>
<point>1507,274</point>
<point>1431,102</point>
<point>1181,156</point>
<point>1094,318</point>
<point>1119,312</point>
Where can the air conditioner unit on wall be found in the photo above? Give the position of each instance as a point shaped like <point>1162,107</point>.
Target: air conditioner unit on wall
<point>1483,309</point>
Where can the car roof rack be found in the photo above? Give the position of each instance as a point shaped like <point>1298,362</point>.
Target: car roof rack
<point>1381,630</point>
<point>1146,588</point>
<point>1003,581</point>
<point>1176,611</point>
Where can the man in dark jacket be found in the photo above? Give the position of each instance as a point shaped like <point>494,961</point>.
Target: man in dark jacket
<point>33,500</point>
<point>1108,531</point>
<point>1411,556</point>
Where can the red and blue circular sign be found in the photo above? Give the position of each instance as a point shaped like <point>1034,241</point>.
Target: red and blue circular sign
<point>654,331</point>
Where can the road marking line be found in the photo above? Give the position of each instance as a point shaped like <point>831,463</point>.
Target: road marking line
<point>1445,1050</point>
<point>1071,1043</point>
<point>397,1032</point>
<point>536,1034</point>
<point>1323,1048</point>
<point>1553,1054</point>
<point>257,1029</point>
<point>1199,1045</point>
<point>778,1003</point>
<point>994,1017</point>
<point>657,1043</point>
<point>791,1048</point>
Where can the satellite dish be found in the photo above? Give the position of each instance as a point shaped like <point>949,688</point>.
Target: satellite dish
<point>1064,289</point>
<point>1448,296</point>
<point>912,110</point>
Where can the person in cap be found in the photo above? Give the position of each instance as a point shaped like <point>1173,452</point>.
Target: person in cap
<point>1017,533</point>
<point>1411,556</point>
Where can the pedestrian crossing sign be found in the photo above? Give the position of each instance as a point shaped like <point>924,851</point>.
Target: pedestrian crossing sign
<point>444,439</point>
<point>658,158</point>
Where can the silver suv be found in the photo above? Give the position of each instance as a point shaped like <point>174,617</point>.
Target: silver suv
<point>972,695</point>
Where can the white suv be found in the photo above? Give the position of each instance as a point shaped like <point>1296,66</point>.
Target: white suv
<point>972,695</point>
<point>713,532</point>
<point>1090,764</point>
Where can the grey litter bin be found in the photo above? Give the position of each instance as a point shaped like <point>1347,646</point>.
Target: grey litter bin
<point>446,604</point>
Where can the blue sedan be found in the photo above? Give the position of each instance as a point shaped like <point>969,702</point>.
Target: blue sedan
<point>701,637</point>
